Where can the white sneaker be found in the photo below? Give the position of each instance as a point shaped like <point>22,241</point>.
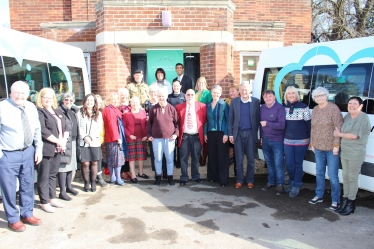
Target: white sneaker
<point>55,203</point>
<point>47,208</point>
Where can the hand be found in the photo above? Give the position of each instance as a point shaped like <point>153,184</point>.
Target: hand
<point>132,137</point>
<point>225,138</point>
<point>205,138</point>
<point>62,143</point>
<point>337,132</point>
<point>173,137</point>
<point>231,139</point>
<point>335,151</point>
<point>144,139</point>
<point>147,118</point>
<point>150,139</point>
<point>87,140</point>
<point>119,141</point>
<point>311,148</point>
<point>38,158</point>
<point>263,123</point>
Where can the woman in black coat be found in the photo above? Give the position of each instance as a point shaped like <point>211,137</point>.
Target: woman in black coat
<point>68,163</point>
<point>54,136</point>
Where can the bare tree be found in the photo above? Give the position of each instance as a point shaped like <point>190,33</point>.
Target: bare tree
<point>342,19</point>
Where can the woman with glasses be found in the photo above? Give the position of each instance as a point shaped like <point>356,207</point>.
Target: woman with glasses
<point>296,138</point>
<point>326,116</point>
<point>54,136</point>
<point>68,164</point>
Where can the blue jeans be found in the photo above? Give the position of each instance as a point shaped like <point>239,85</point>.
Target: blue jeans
<point>294,164</point>
<point>273,153</point>
<point>163,146</point>
<point>324,158</point>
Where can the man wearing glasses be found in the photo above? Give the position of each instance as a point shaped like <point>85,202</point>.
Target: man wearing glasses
<point>192,116</point>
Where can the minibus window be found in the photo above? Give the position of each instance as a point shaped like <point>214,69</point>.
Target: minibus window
<point>3,91</point>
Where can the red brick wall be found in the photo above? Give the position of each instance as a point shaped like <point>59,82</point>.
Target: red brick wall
<point>296,14</point>
<point>142,18</point>
<point>70,35</point>
<point>113,68</point>
<point>83,10</point>
<point>93,61</point>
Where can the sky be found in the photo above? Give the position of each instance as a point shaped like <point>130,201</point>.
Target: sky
<point>4,13</point>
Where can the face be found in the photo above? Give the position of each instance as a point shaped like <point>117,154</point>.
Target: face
<point>190,96</point>
<point>216,94</point>
<point>177,87</point>
<point>90,102</point>
<point>162,99</point>
<point>68,102</point>
<point>115,101</point>
<point>19,95</point>
<point>291,96</point>
<point>233,93</point>
<point>354,106</point>
<point>47,100</point>
<point>179,69</point>
<point>245,91</point>
<point>124,97</point>
<point>320,98</point>
<point>135,104</point>
<point>269,99</point>
<point>160,75</point>
<point>152,94</point>
<point>138,77</point>
<point>201,85</point>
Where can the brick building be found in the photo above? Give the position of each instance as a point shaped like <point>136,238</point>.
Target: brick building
<point>218,37</point>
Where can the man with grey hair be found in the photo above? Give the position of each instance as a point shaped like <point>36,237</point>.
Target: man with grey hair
<point>20,148</point>
<point>244,121</point>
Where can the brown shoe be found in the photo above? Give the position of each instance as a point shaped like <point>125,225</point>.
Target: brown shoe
<point>32,220</point>
<point>250,185</point>
<point>17,226</point>
<point>280,190</point>
<point>238,185</point>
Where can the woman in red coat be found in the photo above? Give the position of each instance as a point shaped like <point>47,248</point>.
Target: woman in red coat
<point>136,137</point>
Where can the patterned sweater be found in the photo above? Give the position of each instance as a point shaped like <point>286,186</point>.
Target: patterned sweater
<point>298,124</point>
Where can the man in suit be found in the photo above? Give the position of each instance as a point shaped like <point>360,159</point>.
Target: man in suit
<point>185,81</point>
<point>244,121</point>
<point>192,117</point>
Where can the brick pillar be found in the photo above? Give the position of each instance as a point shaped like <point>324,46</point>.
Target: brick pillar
<point>113,68</point>
<point>216,65</point>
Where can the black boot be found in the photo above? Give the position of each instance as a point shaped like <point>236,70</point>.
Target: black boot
<point>342,206</point>
<point>349,208</point>
<point>158,180</point>
<point>170,180</point>
<point>69,187</point>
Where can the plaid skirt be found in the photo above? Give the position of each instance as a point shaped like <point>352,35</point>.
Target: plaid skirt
<point>114,156</point>
<point>137,150</point>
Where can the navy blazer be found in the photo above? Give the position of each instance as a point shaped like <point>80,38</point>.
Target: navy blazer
<point>186,83</point>
<point>49,127</point>
<point>234,117</point>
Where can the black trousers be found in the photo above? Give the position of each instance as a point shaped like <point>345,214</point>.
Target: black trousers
<point>47,172</point>
<point>218,160</point>
<point>177,156</point>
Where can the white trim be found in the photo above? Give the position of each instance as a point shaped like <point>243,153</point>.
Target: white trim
<point>143,50</point>
<point>87,57</point>
<point>256,45</point>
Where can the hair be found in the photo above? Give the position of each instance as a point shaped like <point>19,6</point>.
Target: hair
<point>163,91</point>
<point>123,90</point>
<point>20,84</point>
<point>216,87</point>
<point>179,64</point>
<point>205,83</point>
<point>266,92</point>
<point>110,97</point>
<point>161,71</point>
<point>359,100</point>
<point>176,80</point>
<point>95,109</point>
<point>288,89</point>
<point>236,87</point>
<point>43,92</point>
<point>320,90</point>
<point>153,87</point>
<point>67,95</point>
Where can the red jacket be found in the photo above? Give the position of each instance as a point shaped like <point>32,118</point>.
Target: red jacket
<point>200,109</point>
<point>111,128</point>
<point>128,121</point>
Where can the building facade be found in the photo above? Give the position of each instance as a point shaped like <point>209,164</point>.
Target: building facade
<point>221,39</point>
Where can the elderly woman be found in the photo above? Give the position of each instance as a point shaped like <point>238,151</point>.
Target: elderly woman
<point>176,98</point>
<point>296,138</point>
<point>54,136</point>
<point>135,128</point>
<point>138,88</point>
<point>161,81</point>
<point>162,130</point>
<point>68,164</point>
<point>215,134</point>
<point>203,95</point>
<point>90,127</point>
<point>325,117</point>
<point>114,138</point>
<point>354,134</point>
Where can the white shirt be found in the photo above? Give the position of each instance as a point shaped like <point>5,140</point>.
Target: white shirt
<point>180,78</point>
<point>246,101</point>
<point>193,130</point>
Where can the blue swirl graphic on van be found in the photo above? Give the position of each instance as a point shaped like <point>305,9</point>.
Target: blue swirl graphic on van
<point>321,50</point>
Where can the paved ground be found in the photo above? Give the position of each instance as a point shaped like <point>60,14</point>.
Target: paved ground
<point>195,216</point>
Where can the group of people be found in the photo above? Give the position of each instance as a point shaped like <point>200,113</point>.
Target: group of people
<point>178,125</point>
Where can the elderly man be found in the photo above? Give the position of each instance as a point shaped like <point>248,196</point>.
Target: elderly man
<point>244,120</point>
<point>139,88</point>
<point>20,148</point>
<point>192,116</point>
<point>273,124</point>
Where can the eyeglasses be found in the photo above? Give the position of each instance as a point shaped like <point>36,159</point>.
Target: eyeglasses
<point>69,100</point>
<point>319,96</point>
<point>190,94</point>
<point>47,98</point>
